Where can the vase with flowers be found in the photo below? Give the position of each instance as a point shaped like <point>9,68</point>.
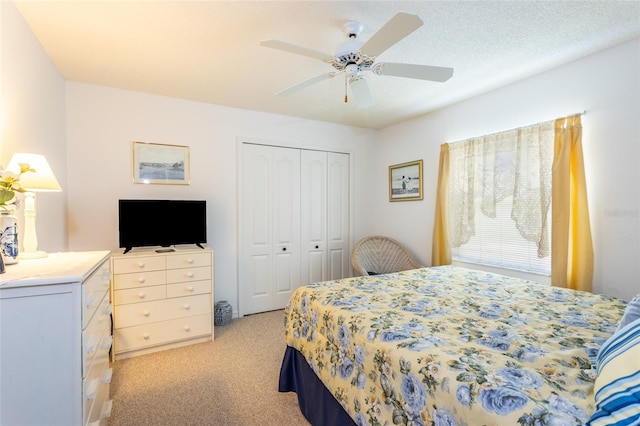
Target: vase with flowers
<point>9,187</point>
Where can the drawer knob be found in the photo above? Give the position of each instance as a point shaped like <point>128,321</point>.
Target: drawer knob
<point>106,311</point>
<point>146,336</point>
<point>190,289</point>
<point>92,387</point>
<point>187,328</point>
<point>106,343</point>
<point>187,306</point>
<point>190,274</point>
<point>189,260</point>
<point>146,313</point>
<point>141,280</point>
<point>90,301</point>
<point>106,376</point>
<point>141,295</point>
<point>141,265</point>
<point>92,344</point>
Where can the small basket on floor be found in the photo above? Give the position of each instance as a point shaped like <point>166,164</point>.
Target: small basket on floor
<point>222,313</point>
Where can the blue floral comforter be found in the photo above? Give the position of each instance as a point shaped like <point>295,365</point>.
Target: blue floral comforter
<point>449,345</point>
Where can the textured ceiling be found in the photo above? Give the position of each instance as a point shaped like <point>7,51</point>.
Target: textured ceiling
<point>209,51</point>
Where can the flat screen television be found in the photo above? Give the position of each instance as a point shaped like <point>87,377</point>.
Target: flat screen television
<point>164,223</point>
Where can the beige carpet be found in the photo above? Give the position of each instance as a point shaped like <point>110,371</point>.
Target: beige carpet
<point>231,381</point>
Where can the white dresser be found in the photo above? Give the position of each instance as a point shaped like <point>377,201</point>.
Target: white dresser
<point>55,337</point>
<point>161,300</point>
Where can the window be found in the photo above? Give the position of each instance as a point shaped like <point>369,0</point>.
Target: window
<point>500,199</point>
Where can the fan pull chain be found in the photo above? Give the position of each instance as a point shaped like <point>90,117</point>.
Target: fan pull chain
<point>345,88</point>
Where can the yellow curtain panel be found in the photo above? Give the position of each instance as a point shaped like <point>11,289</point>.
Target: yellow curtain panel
<point>441,249</point>
<point>571,244</point>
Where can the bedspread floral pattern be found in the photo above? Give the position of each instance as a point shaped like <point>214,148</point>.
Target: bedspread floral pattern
<point>452,346</point>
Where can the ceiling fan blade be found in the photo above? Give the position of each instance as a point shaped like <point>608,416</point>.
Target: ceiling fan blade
<point>401,25</point>
<point>422,72</point>
<point>361,92</point>
<point>292,48</point>
<point>299,86</point>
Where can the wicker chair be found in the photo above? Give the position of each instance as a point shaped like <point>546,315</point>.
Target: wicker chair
<point>380,255</point>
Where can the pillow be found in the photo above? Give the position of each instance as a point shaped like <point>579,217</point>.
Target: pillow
<point>617,387</point>
<point>631,313</point>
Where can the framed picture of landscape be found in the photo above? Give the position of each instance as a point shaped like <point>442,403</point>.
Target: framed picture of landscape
<point>160,164</point>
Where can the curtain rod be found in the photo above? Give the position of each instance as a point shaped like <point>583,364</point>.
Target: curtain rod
<point>577,113</point>
<point>561,117</point>
<point>516,128</point>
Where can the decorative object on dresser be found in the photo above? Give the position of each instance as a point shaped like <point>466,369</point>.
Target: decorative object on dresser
<point>55,340</point>
<point>41,179</point>
<point>9,187</point>
<point>9,237</point>
<point>161,300</point>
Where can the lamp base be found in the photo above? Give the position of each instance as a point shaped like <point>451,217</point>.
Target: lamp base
<point>32,255</point>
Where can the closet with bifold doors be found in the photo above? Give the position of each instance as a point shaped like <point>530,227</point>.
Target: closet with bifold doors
<point>293,219</point>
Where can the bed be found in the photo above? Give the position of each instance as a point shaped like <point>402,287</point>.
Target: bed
<point>444,345</point>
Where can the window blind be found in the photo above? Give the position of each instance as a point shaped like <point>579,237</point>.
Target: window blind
<point>497,242</point>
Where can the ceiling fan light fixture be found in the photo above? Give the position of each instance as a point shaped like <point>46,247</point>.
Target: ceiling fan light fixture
<point>351,71</point>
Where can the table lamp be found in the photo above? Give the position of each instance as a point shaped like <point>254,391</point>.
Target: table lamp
<point>40,180</point>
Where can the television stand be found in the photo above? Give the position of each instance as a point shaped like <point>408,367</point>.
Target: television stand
<point>161,300</point>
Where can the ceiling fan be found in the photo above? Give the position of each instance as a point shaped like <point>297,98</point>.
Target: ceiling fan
<point>354,57</point>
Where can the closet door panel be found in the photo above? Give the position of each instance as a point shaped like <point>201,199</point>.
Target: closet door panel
<point>314,216</point>
<point>338,215</point>
<point>286,223</point>
<point>270,227</point>
<point>260,272</point>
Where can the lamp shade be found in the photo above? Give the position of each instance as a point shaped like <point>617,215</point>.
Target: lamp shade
<point>41,180</point>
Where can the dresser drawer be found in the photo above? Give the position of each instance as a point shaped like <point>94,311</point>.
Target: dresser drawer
<point>142,336</point>
<point>188,260</point>
<point>97,335</point>
<point>101,407</point>
<point>139,279</point>
<point>142,294</point>
<point>161,310</point>
<point>188,274</point>
<point>96,388</point>
<point>188,288</point>
<point>137,264</point>
<point>94,289</point>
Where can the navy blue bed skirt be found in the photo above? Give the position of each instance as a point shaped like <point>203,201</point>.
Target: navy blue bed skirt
<point>315,401</point>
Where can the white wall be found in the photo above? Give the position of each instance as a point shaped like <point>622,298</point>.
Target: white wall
<point>103,122</point>
<point>32,119</point>
<point>88,143</point>
<point>607,86</point>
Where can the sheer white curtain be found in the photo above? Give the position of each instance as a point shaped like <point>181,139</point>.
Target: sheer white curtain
<point>488,169</point>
